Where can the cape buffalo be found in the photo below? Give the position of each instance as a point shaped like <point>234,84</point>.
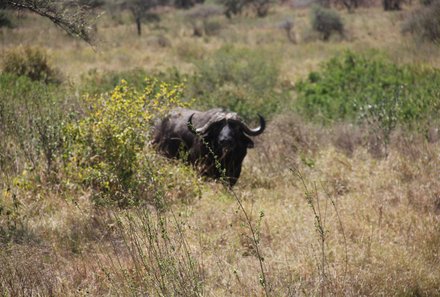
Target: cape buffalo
<point>216,141</point>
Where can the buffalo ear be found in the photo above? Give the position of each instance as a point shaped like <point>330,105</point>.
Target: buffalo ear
<point>250,144</point>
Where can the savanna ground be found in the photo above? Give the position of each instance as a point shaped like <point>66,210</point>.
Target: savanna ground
<point>330,202</point>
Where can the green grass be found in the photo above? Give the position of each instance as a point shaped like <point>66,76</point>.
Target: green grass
<point>31,116</point>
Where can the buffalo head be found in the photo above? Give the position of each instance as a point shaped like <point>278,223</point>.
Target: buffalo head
<point>226,132</point>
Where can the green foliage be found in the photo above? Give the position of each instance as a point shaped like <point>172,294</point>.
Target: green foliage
<point>326,21</point>
<point>370,87</point>
<point>232,7</point>
<point>261,7</point>
<point>427,2</point>
<point>100,143</point>
<point>241,80</point>
<point>212,27</point>
<point>235,7</point>
<point>389,5</point>
<point>186,3</point>
<point>12,227</point>
<point>203,22</point>
<point>30,62</point>
<point>31,116</point>
<point>106,150</point>
<point>31,121</point>
<point>5,21</point>
<point>95,82</point>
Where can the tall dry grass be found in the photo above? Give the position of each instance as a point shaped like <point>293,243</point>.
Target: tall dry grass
<point>342,223</point>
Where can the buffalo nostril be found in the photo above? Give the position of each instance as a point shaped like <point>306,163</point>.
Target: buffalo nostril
<point>226,142</point>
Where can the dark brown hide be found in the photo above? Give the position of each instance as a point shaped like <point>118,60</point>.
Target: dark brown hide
<point>216,141</point>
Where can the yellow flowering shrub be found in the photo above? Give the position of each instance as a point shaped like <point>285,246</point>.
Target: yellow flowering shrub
<point>107,149</point>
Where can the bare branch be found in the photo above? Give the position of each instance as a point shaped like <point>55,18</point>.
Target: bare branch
<point>70,16</point>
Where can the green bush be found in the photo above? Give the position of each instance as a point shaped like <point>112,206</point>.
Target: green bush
<point>326,22</point>
<point>31,116</point>
<point>427,2</point>
<point>5,21</point>
<point>232,7</point>
<point>212,27</point>
<point>107,150</point>
<point>235,7</point>
<point>30,62</point>
<point>241,80</point>
<point>390,5</point>
<point>359,87</point>
<point>95,82</point>
<point>203,21</point>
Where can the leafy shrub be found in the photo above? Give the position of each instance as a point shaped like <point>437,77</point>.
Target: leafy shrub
<point>232,7</point>
<point>186,3</point>
<point>31,116</point>
<point>30,62</point>
<point>351,5</point>
<point>162,41</point>
<point>107,150</point>
<point>204,12</point>
<point>12,227</point>
<point>241,80</point>
<point>389,5</point>
<point>326,21</point>
<point>190,51</point>
<point>261,7</point>
<point>425,23</point>
<point>212,27</point>
<point>235,7</point>
<point>370,87</point>
<point>5,21</point>
<point>202,22</point>
<point>95,82</point>
<point>207,27</point>
<point>427,2</point>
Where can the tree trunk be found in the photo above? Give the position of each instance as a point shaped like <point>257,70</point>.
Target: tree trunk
<point>139,26</point>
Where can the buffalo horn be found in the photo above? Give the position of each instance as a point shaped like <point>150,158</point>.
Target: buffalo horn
<point>255,131</point>
<point>203,129</point>
<point>190,125</point>
<point>232,116</point>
